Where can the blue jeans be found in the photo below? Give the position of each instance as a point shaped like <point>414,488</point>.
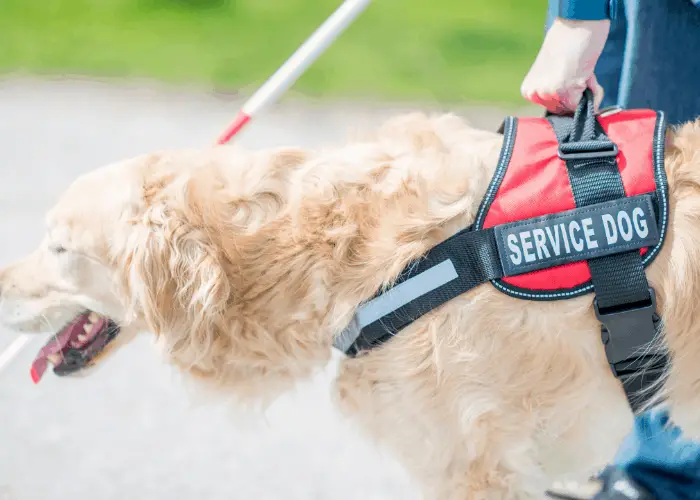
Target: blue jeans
<point>655,64</point>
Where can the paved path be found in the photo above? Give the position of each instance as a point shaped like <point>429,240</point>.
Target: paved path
<point>131,430</point>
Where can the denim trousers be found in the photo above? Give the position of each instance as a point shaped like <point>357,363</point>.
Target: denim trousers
<point>652,57</point>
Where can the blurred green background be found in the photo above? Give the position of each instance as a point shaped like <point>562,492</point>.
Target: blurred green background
<point>446,50</point>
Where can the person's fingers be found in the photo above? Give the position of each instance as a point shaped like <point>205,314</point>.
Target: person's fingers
<point>532,89</point>
<point>555,92</point>
<point>572,95</point>
<point>552,102</point>
<point>541,99</point>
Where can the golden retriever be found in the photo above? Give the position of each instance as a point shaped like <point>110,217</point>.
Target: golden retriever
<point>246,264</point>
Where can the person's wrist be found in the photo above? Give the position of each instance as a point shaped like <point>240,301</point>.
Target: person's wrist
<point>576,45</point>
<point>589,36</point>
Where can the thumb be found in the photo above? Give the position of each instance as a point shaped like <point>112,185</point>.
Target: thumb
<point>598,92</point>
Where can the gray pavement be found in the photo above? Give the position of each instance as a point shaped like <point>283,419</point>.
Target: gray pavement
<point>132,430</point>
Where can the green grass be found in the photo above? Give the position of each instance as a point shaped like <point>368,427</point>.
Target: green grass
<point>447,50</point>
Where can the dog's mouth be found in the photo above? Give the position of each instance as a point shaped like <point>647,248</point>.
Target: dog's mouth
<point>75,346</point>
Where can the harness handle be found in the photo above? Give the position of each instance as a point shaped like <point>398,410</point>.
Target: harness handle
<point>583,126</point>
<point>585,110</point>
<point>582,137</point>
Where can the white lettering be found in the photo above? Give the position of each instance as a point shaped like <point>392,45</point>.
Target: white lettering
<point>610,228</point>
<point>527,245</point>
<point>625,233</point>
<point>588,232</point>
<point>565,237</point>
<point>540,245</point>
<point>554,239</point>
<point>513,245</point>
<point>578,246</point>
<point>640,222</point>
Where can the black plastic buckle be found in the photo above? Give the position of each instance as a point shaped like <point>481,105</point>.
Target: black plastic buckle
<point>627,331</point>
<point>572,151</point>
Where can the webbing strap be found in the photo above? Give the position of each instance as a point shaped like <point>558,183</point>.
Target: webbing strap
<point>455,266</point>
<point>620,284</point>
<point>618,279</point>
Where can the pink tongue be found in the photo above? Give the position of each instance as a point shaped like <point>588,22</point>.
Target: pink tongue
<point>55,346</point>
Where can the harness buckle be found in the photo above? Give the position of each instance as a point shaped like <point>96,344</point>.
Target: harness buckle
<point>585,150</point>
<point>628,333</point>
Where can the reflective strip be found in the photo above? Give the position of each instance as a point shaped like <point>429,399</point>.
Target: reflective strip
<point>394,299</point>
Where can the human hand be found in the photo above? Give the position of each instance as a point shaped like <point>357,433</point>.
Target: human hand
<point>564,66</point>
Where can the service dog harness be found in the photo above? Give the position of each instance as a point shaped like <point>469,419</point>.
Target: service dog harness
<point>577,204</point>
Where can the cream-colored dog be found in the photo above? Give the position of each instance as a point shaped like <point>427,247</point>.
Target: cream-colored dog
<point>246,264</point>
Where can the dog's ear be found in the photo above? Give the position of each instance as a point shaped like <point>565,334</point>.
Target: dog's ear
<point>177,278</point>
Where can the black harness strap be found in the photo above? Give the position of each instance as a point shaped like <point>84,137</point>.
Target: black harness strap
<point>624,302</point>
<point>455,266</point>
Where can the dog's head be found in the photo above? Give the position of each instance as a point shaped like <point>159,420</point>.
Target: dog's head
<point>148,244</point>
<point>70,284</point>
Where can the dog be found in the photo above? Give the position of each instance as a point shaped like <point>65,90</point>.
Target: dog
<point>246,264</point>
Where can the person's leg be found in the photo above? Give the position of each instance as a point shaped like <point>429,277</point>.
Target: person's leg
<point>661,69</point>
<point>609,66</point>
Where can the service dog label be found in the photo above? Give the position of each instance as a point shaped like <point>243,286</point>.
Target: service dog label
<point>579,234</point>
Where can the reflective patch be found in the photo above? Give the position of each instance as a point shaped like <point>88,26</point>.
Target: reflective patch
<point>395,298</point>
<point>574,235</point>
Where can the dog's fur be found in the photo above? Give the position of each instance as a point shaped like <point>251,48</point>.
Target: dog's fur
<point>245,264</point>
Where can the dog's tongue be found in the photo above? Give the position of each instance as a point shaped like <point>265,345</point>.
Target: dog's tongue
<point>55,346</point>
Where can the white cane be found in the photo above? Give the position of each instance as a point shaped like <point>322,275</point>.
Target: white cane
<point>293,68</point>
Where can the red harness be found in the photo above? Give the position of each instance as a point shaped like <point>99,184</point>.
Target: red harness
<point>576,205</point>
<point>533,181</point>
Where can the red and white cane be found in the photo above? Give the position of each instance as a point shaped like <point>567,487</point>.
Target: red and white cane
<point>295,66</point>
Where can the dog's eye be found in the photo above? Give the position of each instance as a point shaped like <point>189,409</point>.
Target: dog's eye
<point>57,249</point>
